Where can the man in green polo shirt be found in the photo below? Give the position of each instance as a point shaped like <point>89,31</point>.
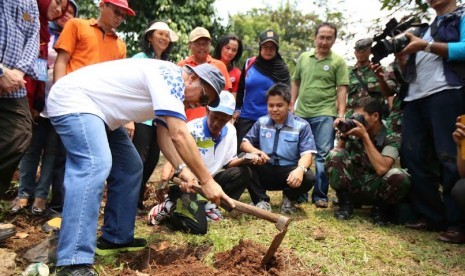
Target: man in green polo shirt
<point>320,84</point>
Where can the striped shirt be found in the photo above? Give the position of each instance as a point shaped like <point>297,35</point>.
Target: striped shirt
<point>19,38</point>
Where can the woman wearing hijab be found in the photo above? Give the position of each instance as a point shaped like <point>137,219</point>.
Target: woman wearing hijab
<point>258,75</point>
<point>49,10</point>
<point>157,43</point>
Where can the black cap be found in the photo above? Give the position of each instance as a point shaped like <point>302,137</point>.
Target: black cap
<point>364,43</point>
<point>269,35</point>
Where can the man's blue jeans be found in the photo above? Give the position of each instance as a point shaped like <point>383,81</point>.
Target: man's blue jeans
<point>427,127</point>
<point>323,133</point>
<point>93,155</point>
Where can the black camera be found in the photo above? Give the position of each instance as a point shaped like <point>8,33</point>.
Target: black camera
<point>349,123</point>
<point>398,40</point>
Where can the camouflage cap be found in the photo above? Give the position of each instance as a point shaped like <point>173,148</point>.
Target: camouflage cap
<point>364,43</point>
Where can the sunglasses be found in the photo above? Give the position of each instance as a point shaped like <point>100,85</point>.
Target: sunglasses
<point>204,99</point>
<point>116,11</point>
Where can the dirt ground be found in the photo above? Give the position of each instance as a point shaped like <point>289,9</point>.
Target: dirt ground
<point>243,259</point>
<point>160,258</point>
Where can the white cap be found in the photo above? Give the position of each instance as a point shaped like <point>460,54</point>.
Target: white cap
<point>164,27</point>
<point>227,103</point>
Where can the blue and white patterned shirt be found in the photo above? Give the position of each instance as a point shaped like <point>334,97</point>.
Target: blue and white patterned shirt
<point>19,38</point>
<point>121,91</point>
<point>284,145</point>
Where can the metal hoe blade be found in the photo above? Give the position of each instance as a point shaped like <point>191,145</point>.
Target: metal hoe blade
<point>281,222</point>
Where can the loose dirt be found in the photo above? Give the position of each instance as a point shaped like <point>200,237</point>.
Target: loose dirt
<point>161,258</point>
<point>242,259</point>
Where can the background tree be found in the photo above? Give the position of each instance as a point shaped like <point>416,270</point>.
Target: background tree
<point>181,15</point>
<point>417,8</point>
<point>296,30</point>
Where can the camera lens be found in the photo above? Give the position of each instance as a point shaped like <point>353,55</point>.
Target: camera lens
<point>345,126</point>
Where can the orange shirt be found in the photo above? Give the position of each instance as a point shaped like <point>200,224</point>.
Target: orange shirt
<point>87,44</point>
<point>193,113</point>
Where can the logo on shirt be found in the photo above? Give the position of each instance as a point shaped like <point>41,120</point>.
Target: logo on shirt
<point>27,17</point>
<point>268,135</point>
<point>326,67</point>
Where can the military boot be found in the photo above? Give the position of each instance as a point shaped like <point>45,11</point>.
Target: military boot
<point>346,207</point>
<point>380,213</point>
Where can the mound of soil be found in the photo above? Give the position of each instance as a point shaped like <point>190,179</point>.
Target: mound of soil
<point>243,259</point>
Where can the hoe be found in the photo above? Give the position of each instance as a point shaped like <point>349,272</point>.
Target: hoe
<point>281,222</point>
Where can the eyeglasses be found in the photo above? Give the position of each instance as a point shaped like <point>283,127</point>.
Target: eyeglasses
<point>204,99</point>
<point>117,11</point>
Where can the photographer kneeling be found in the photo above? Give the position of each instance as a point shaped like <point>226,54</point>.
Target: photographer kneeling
<point>361,166</point>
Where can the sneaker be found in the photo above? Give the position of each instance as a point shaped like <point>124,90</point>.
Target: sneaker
<point>213,213</point>
<point>76,270</point>
<point>320,203</point>
<point>105,247</point>
<point>160,212</point>
<point>265,205</point>
<point>288,207</point>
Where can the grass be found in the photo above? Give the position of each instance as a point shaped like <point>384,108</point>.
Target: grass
<point>354,247</point>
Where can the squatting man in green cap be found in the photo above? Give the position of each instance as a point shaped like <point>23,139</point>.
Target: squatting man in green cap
<point>88,109</point>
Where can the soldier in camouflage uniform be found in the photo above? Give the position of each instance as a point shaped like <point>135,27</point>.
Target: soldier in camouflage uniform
<point>364,82</point>
<point>362,163</point>
<point>396,84</point>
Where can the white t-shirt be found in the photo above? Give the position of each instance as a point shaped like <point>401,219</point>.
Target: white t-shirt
<point>216,153</point>
<point>120,91</point>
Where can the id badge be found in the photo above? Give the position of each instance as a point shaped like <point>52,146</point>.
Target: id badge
<point>41,69</point>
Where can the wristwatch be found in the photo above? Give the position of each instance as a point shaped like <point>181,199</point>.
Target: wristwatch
<point>303,168</point>
<point>2,72</point>
<point>428,47</point>
<point>179,168</point>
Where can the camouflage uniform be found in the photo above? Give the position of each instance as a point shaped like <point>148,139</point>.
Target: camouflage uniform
<point>394,121</point>
<point>349,168</point>
<point>357,90</point>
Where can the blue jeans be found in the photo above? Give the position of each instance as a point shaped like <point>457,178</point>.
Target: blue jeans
<point>43,144</point>
<point>427,127</point>
<point>323,133</point>
<point>93,155</point>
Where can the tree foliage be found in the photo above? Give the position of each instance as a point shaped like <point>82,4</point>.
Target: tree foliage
<point>418,8</point>
<point>181,15</point>
<point>296,29</point>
